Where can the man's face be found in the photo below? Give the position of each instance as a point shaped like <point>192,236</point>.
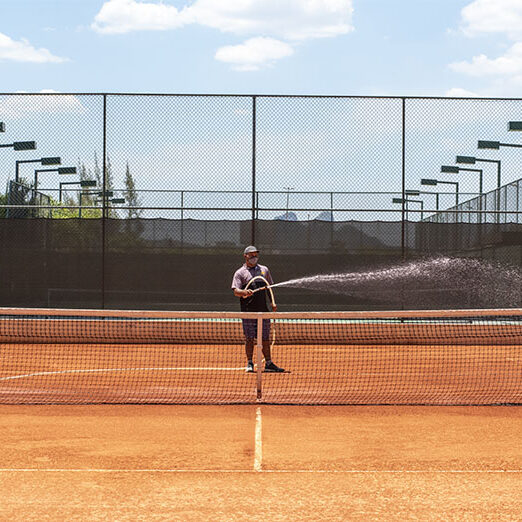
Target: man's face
<point>251,258</point>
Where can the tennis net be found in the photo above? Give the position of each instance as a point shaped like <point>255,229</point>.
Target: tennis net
<point>405,357</point>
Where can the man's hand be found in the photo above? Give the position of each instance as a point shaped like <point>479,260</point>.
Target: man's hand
<point>243,294</point>
<point>274,308</point>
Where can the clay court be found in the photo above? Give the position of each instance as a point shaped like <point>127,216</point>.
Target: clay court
<point>260,463</point>
<point>190,436</point>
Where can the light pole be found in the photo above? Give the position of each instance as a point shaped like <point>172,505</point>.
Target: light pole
<point>288,189</point>
<point>456,170</point>
<point>109,199</point>
<point>61,171</point>
<point>448,169</point>
<point>401,201</point>
<point>421,192</point>
<point>406,201</point>
<point>84,183</point>
<point>82,194</point>
<point>435,182</point>
<point>471,160</point>
<point>42,161</point>
<point>102,197</point>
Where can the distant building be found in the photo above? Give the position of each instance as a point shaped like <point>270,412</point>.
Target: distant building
<point>287,216</point>
<point>325,215</point>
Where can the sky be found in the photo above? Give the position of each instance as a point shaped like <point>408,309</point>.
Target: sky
<point>464,49</point>
<point>342,47</point>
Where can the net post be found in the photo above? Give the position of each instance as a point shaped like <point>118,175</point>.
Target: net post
<point>259,356</point>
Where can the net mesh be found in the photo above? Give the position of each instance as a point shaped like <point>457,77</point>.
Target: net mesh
<point>89,356</point>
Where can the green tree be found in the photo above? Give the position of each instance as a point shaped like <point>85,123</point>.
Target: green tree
<point>3,201</point>
<point>131,196</point>
<point>109,186</point>
<point>97,171</point>
<point>87,195</point>
<point>98,176</point>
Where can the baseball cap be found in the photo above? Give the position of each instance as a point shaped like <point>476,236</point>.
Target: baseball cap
<point>250,249</point>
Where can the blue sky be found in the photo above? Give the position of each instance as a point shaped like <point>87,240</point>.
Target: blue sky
<point>439,48</point>
<point>368,47</point>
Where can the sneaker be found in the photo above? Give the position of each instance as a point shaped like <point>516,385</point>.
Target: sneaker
<point>250,368</point>
<point>272,368</point>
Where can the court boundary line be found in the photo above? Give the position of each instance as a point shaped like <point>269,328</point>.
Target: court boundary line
<point>100,370</point>
<point>215,471</point>
<point>258,442</point>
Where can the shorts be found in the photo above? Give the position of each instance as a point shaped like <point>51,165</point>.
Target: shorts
<point>250,328</point>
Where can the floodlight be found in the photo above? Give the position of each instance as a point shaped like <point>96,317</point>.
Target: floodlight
<point>66,170</point>
<point>51,161</point>
<point>488,144</point>
<point>24,145</point>
<point>470,160</point>
<point>449,169</point>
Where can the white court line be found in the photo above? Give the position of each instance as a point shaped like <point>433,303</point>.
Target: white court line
<point>38,374</point>
<point>258,452</point>
<point>322,471</point>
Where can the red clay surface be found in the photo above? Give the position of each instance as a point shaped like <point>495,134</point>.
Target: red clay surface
<point>317,463</point>
<point>320,374</point>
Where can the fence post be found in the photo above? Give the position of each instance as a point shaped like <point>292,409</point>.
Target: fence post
<point>104,200</point>
<point>253,229</point>
<point>403,211</point>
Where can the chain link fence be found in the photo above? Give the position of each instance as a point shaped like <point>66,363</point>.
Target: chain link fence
<point>147,201</point>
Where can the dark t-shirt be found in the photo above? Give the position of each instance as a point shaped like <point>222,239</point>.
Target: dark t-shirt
<point>256,302</point>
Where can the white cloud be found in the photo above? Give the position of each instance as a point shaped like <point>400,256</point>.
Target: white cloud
<point>493,16</point>
<point>288,19</point>
<point>124,16</point>
<point>23,51</point>
<point>275,25</point>
<point>457,92</point>
<point>507,65</point>
<point>16,106</point>
<point>254,53</point>
<point>293,20</point>
<point>504,18</point>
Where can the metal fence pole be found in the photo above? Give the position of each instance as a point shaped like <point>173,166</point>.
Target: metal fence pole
<point>182,223</point>
<point>104,201</point>
<point>403,211</point>
<point>253,230</point>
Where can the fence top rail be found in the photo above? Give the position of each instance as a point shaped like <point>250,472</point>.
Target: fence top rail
<point>249,192</point>
<point>398,210</point>
<point>228,95</point>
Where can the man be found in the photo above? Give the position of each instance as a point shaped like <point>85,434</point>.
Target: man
<point>254,302</point>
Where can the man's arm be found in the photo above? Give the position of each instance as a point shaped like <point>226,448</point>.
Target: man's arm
<point>242,293</point>
<point>237,283</point>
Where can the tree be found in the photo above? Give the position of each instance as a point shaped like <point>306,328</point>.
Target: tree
<point>97,171</point>
<point>109,187</point>
<point>131,195</point>
<point>109,183</point>
<point>87,195</point>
